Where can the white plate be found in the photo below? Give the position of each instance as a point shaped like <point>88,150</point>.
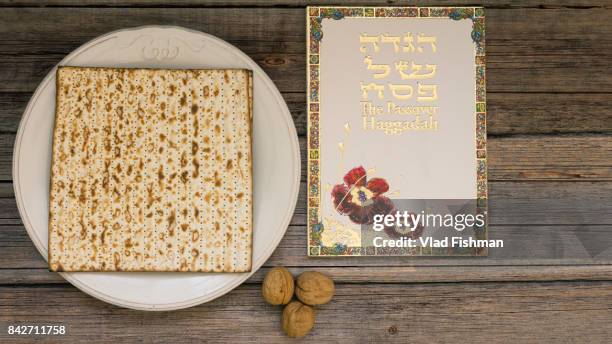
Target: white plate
<point>276,159</point>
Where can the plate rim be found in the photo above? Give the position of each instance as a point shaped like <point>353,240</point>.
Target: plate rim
<point>26,115</point>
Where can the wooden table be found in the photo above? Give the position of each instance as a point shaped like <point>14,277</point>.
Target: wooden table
<point>550,150</point>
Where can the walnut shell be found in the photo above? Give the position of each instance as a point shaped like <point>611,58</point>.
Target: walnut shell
<point>298,319</point>
<point>314,288</point>
<point>277,287</point>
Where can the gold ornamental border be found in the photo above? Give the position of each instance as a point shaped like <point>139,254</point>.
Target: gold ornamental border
<point>314,34</point>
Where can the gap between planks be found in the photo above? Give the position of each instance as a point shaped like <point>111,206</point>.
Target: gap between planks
<point>527,4</point>
<point>385,274</point>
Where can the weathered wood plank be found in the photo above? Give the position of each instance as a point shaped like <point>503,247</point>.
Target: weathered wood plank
<point>6,190</point>
<point>510,203</point>
<point>527,50</point>
<point>384,274</point>
<point>13,104</point>
<point>537,113</point>
<point>539,4</point>
<point>541,223</point>
<point>544,312</point>
<point>523,245</point>
<point>524,158</point>
<point>508,113</point>
<point>570,158</point>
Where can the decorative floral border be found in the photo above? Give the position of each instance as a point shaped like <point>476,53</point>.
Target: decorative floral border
<point>314,19</point>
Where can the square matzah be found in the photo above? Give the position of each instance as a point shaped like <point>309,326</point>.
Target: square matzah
<point>151,170</point>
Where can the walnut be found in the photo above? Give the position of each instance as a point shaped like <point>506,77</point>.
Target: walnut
<point>314,288</point>
<point>278,286</point>
<point>298,319</point>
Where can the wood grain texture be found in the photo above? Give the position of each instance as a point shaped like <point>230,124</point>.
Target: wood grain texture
<point>508,113</point>
<point>382,274</point>
<point>359,313</point>
<point>539,4</point>
<point>527,50</point>
<point>511,203</point>
<point>550,169</point>
<point>552,245</point>
<point>511,158</point>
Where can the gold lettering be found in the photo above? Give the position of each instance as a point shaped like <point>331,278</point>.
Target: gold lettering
<point>372,87</point>
<point>400,91</point>
<point>383,70</point>
<point>432,40</point>
<point>408,39</point>
<point>402,66</point>
<point>365,39</point>
<point>398,127</point>
<point>427,93</point>
<point>395,40</point>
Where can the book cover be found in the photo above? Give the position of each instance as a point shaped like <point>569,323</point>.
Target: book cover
<point>396,131</point>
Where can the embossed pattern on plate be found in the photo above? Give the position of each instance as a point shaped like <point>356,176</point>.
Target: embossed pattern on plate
<point>276,169</point>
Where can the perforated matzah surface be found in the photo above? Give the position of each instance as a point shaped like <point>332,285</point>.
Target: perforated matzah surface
<point>151,170</point>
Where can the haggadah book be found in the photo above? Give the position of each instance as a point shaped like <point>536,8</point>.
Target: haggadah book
<point>397,131</point>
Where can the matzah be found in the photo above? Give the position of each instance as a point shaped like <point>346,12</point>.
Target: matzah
<point>151,170</point>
